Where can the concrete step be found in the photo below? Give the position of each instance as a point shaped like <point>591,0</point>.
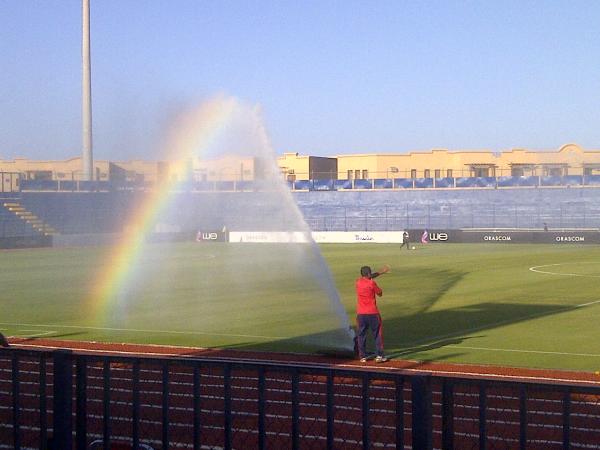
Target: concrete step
<point>36,223</point>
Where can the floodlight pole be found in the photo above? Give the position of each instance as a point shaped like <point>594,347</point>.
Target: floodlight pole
<point>86,98</point>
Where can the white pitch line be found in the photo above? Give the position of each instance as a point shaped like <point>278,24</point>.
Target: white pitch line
<point>535,269</point>
<point>514,350</point>
<point>138,330</point>
<point>480,374</point>
<point>36,333</point>
<point>587,304</point>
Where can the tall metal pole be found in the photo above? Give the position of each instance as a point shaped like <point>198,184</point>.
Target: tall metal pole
<point>86,100</point>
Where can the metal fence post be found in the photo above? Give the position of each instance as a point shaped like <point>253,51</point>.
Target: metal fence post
<point>448,415</point>
<point>15,402</point>
<point>81,396</point>
<point>422,433</point>
<point>330,412</point>
<point>165,405</point>
<point>523,417</point>
<point>227,406</point>
<point>106,429</point>
<point>400,412</point>
<point>62,403</point>
<point>295,409</point>
<point>261,408</point>
<point>366,382</point>
<point>43,409</point>
<point>567,419</point>
<point>482,416</point>
<point>135,413</point>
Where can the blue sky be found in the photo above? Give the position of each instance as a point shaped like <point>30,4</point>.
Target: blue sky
<point>331,77</point>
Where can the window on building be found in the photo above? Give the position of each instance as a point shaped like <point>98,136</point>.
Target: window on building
<point>449,173</point>
<point>357,174</point>
<point>413,173</point>
<point>40,175</point>
<point>481,172</point>
<point>438,173</point>
<point>365,174</point>
<point>556,172</point>
<point>350,174</point>
<point>517,171</point>
<point>427,173</point>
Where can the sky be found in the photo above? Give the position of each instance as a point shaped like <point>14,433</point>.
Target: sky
<point>331,77</point>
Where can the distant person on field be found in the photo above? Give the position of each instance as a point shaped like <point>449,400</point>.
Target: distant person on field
<point>545,226</point>
<point>367,314</point>
<point>405,240</point>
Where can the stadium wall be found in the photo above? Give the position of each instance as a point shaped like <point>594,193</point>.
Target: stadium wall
<point>15,242</point>
<point>107,212</point>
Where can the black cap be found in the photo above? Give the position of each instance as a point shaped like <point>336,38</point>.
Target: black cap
<point>365,271</point>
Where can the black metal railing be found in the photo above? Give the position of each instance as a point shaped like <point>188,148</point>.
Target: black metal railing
<point>61,399</point>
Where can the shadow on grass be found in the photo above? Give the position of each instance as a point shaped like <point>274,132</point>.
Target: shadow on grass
<point>409,325</point>
<point>435,329</point>
<point>431,346</point>
<point>420,332</point>
<point>419,295</point>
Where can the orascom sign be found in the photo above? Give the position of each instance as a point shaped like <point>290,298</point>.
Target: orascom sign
<point>569,238</point>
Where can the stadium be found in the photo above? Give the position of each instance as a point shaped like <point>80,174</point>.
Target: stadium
<point>208,300</point>
<point>471,305</point>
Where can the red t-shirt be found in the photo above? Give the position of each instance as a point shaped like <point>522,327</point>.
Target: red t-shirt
<point>366,290</point>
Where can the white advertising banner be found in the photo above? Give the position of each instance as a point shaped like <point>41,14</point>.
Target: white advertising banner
<point>322,237</point>
<point>269,236</point>
<point>357,237</point>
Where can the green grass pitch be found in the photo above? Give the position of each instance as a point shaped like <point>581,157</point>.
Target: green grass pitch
<point>459,303</point>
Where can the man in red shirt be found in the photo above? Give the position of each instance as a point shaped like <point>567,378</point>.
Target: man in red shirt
<point>367,314</point>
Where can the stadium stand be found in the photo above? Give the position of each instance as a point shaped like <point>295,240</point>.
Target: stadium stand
<point>80,212</point>
<point>11,225</point>
<point>372,210</point>
<point>451,209</point>
<point>16,208</point>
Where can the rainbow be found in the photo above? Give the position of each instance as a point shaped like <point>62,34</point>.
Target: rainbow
<point>192,133</point>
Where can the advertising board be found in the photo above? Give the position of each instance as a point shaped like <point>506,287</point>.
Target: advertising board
<point>331,237</point>
<point>507,236</point>
<point>269,236</point>
<point>358,237</point>
<point>212,236</point>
